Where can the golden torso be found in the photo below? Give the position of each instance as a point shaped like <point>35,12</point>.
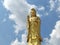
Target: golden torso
<point>34,31</point>
<point>33,27</point>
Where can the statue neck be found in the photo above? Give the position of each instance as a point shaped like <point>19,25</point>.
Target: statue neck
<point>33,16</point>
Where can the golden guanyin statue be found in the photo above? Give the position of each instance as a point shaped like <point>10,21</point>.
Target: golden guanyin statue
<point>33,27</point>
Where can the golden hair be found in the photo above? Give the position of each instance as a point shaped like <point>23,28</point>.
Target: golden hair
<point>34,10</point>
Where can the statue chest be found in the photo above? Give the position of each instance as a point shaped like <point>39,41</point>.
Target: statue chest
<point>33,21</point>
<point>33,26</point>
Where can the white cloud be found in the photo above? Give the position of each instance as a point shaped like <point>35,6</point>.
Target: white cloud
<point>58,9</point>
<point>17,42</point>
<point>12,17</point>
<point>33,6</point>
<point>56,31</point>
<point>52,4</point>
<point>39,15</point>
<point>19,10</point>
<point>41,8</point>
<point>54,36</point>
<point>59,16</point>
<point>4,20</point>
<point>46,13</point>
<point>55,5</point>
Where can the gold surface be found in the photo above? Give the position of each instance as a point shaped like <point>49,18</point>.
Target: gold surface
<point>33,26</point>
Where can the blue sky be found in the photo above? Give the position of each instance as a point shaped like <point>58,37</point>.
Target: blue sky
<point>13,20</point>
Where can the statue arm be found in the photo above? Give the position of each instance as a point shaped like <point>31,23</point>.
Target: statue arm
<point>28,28</point>
<point>28,25</point>
<point>39,23</point>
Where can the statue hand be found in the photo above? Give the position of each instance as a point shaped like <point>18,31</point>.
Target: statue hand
<point>40,39</point>
<point>28,17</point>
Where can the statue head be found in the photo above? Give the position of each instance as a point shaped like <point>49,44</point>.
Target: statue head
<point>33,12</point>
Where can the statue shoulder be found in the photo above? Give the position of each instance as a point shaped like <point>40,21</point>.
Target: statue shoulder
<point>38,18</point>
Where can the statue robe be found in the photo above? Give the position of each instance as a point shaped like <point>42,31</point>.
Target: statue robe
<point>34,37</point>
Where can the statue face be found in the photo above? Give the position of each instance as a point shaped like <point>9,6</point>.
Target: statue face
<point>33,13</point>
